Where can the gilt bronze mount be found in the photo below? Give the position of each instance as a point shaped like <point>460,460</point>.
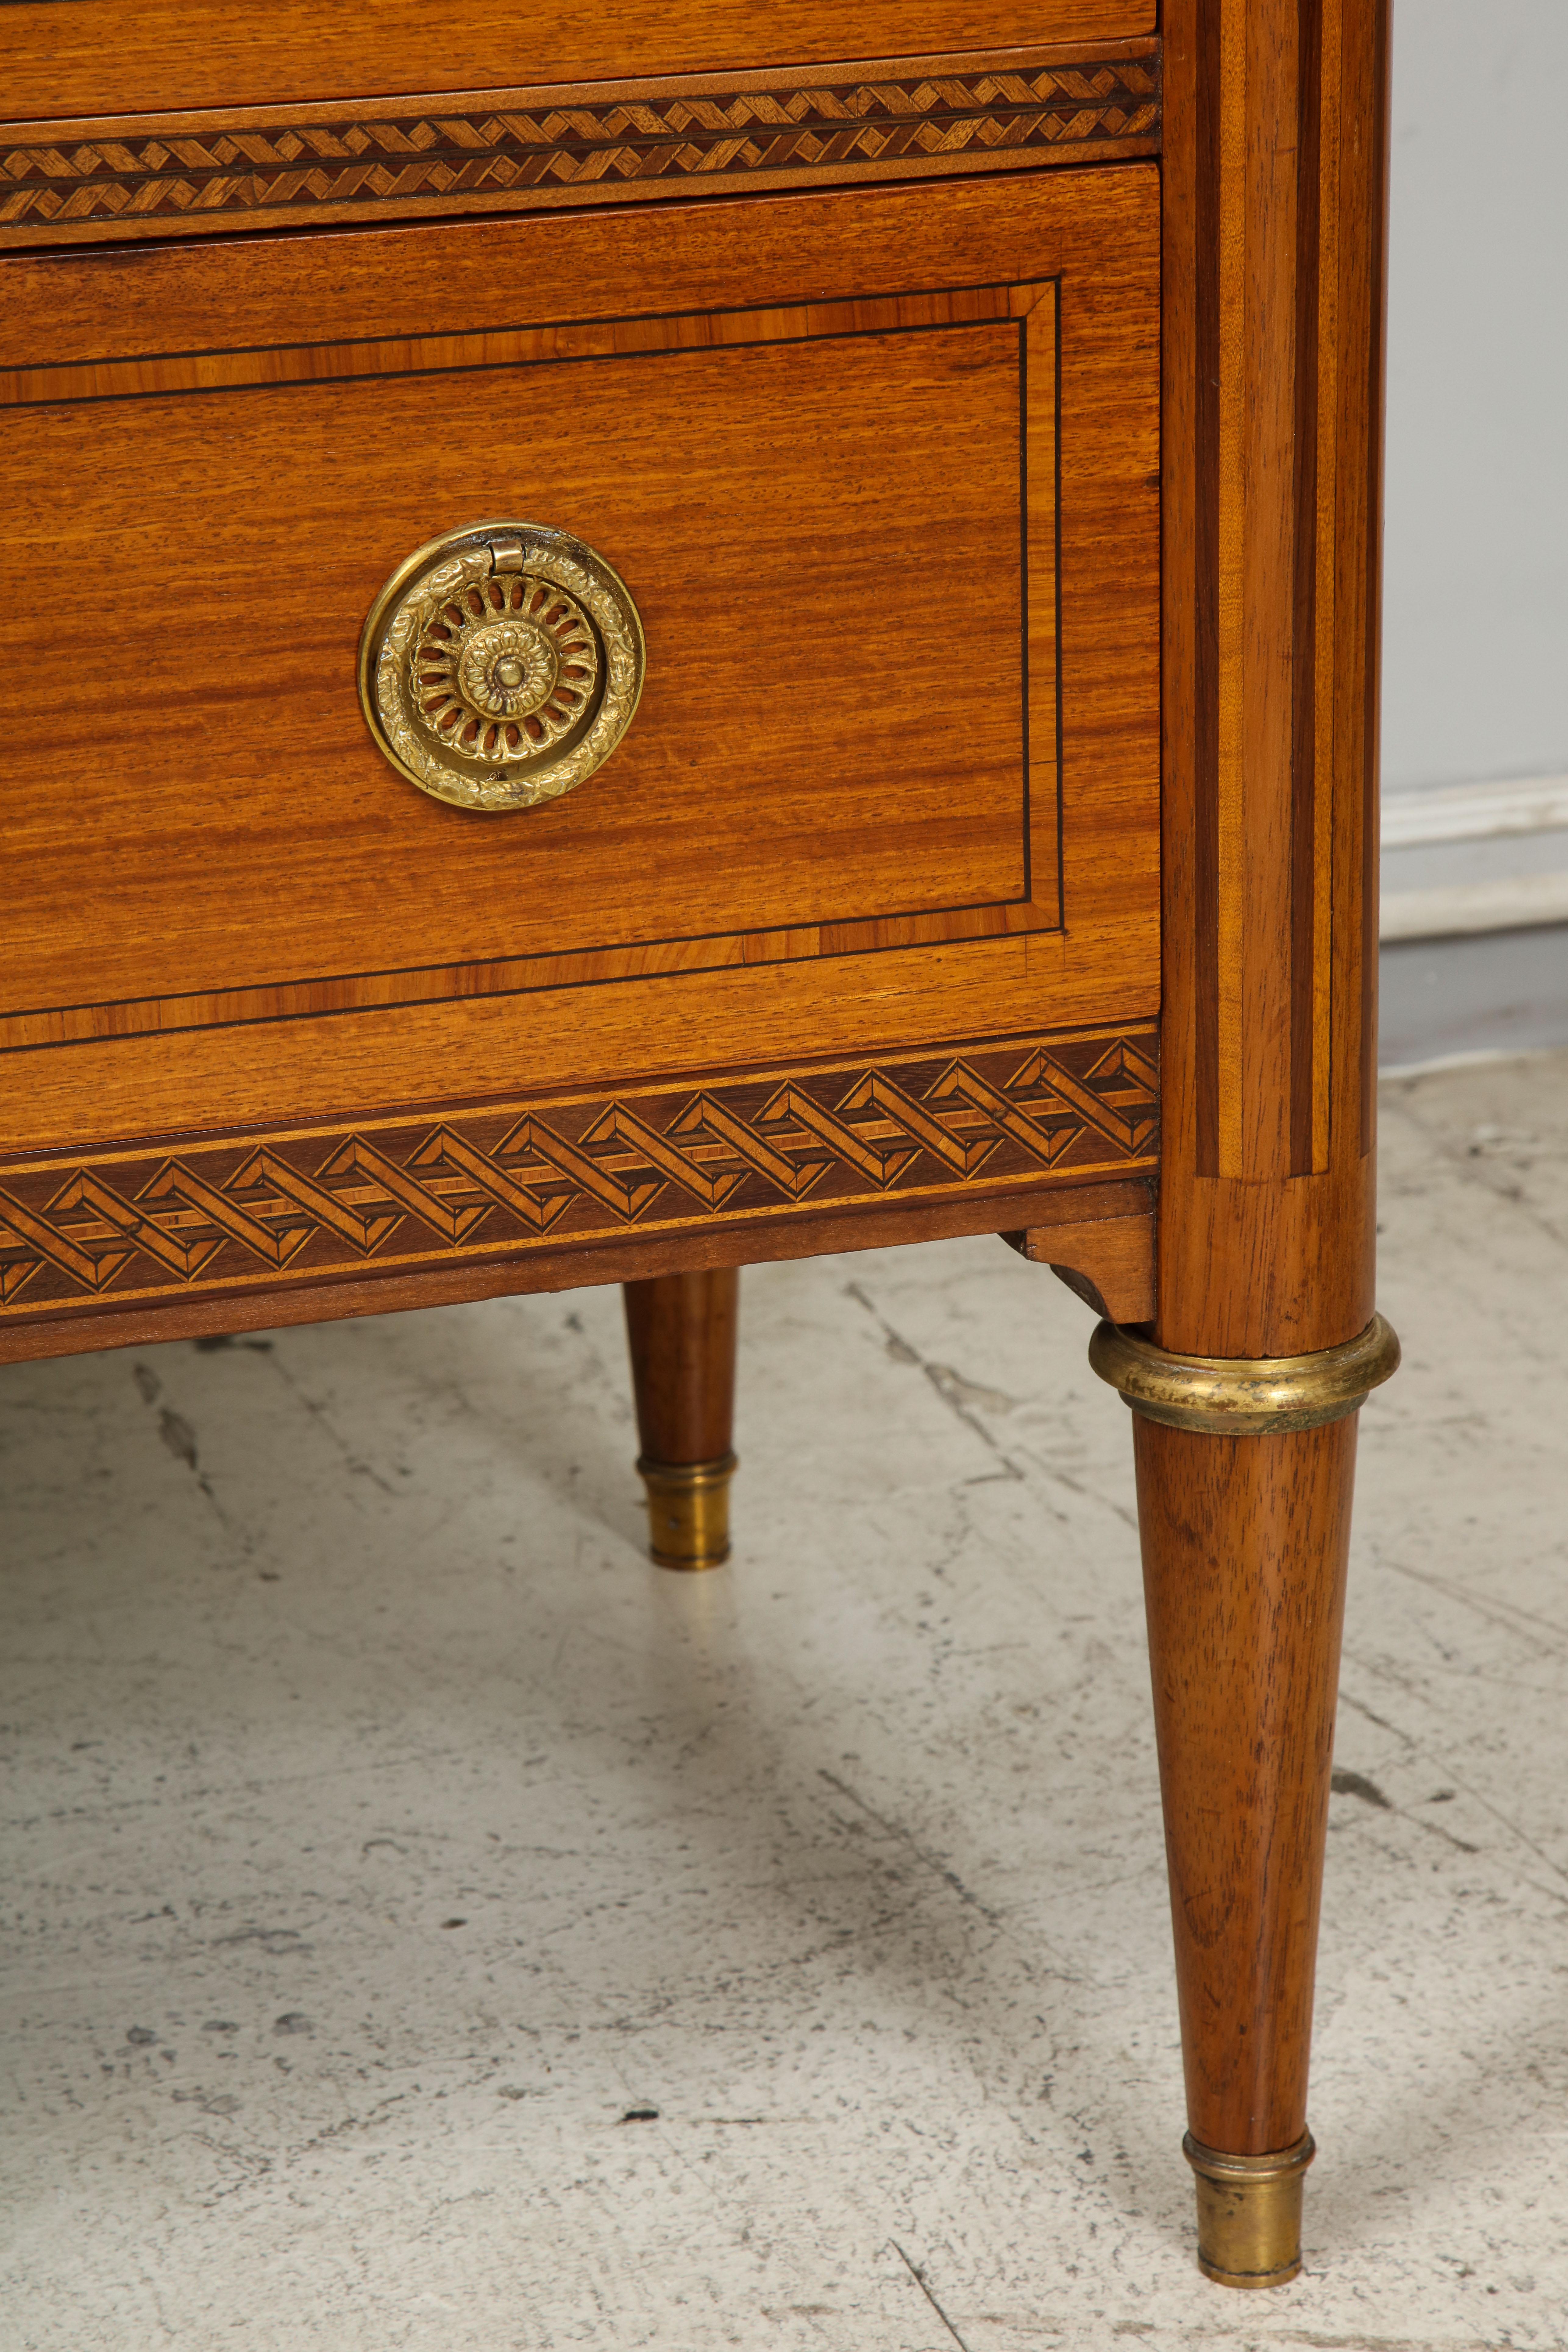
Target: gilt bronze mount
<point>1244,1396</point>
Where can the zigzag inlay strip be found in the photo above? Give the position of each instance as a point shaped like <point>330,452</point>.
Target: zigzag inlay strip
<point>312,1205</point>
<point>212,172</point>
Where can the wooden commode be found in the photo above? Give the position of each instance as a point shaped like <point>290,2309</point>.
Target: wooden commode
<point>681,634</point>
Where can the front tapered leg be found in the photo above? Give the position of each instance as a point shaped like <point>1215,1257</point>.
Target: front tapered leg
<point>681,1328</point>
<point>1245,1470</point>
<point>1244,1542</point>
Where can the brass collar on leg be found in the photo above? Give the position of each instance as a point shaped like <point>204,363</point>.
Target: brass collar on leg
<point>1244,1396</point>
<point>1249,2212</point>
<point>688,1511</point>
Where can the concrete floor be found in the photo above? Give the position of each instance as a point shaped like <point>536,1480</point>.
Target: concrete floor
<point>431,1926</point>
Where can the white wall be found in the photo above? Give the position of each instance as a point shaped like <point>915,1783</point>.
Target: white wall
<point>1475,612</point>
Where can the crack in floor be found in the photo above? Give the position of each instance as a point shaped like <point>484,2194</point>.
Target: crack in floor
<point>923,2283</point>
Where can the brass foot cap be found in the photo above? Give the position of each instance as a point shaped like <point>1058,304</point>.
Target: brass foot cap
<point>1249,2212</point>
<point>688,1511</point>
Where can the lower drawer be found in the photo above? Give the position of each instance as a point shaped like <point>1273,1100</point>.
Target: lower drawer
<point>878,470</point>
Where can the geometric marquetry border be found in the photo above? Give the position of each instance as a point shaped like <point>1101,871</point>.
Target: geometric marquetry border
<point>217,1216</point>
<point>518,149</point>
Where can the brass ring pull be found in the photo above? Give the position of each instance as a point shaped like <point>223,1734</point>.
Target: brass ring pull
<point>500,664</point>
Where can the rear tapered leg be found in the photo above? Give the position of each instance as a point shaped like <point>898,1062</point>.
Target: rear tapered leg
<point>681,1328</point>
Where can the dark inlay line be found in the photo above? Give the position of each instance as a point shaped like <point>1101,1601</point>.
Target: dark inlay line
<point>1304,777</point>
<point>1206,586</point>
<point>463,367</point>
<point>1056,592</point>
<point>1023,607</point>
<point>1377,200</point>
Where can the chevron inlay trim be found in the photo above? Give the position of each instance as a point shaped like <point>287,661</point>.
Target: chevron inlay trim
<point>424,157</point>
<point>211,1216</point>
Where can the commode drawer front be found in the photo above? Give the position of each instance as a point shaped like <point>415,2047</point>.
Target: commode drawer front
<point>815,512</point>
<point>877,474</point>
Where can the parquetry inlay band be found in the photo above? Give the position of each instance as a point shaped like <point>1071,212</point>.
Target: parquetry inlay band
<point>499,1180</point>
<point>421,156</point>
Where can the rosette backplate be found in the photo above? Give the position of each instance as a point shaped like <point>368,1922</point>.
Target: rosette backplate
<point>500,664</point>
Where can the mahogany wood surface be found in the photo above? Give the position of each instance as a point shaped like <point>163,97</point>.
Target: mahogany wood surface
<point>681,1328</point>
<point>229,366</point>
<point>1244,1542</point>
<point>75,58</point>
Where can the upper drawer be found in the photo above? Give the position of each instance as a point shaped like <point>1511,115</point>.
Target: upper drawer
<point>98,57</point>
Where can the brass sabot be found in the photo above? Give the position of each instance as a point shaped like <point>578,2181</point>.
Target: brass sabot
<point>1249,2212</point>
<point>688,1511</point>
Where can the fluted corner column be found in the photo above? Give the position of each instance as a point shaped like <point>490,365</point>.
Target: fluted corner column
<point>1275,209</point>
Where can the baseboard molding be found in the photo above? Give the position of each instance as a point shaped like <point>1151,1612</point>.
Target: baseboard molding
<point>1522,902</point>
<point>1521,809</point>
<point>1474,811</point>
